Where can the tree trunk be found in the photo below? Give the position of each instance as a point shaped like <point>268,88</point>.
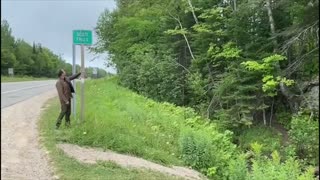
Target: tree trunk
<point>264,117</point>
<point>185,37</point>
<point>209,107</point>
<point>272,24</point>
<point>192,10</point>
<point>211,102</point>
<point>283,87</point>
<point>264,114</point>
<point>271,115</point>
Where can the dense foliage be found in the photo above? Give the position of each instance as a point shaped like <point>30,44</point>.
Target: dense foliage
<point>32,60</point>
<point>239,63</point>
<point>120,120</point>
<point>231,60</point>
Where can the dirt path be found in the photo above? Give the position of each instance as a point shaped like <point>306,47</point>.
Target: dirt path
<point>90,155</point>
<point>21,155</point>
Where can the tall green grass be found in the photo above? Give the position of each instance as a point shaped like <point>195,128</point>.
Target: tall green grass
<point>120,120</point>
<point>123,121</point>
<point>266,136</point>
<point>67,168</point>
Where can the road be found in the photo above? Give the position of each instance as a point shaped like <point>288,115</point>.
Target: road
<point>14,92</point>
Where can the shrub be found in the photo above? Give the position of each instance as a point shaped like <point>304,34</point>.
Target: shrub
<point>304,134</point>
<point>207,150</point>
<point>263,135</point>
<point>284,118</point>
<point>195,149</point>
<point>266,169</point>
<point>237,168</point>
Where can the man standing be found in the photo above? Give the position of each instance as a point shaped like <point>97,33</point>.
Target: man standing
<point>65,88</point>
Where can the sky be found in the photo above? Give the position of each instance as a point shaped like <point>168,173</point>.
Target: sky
<point>51,22</point>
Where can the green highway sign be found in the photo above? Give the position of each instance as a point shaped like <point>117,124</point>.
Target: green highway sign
<point>82,37</point>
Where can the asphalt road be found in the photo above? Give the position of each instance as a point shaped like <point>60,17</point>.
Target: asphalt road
<point>14,92</point>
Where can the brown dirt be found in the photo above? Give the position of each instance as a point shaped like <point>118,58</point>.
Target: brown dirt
<point>91,156</point>
<point>22,157</point>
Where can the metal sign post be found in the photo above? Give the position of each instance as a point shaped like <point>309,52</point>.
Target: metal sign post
<point>82,37</point>
<point>82,84</point>
<point>74,102</point>
<point>95,72</point>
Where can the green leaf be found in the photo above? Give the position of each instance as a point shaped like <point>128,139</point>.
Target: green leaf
<point>176,31</point>
<point>273,58</point>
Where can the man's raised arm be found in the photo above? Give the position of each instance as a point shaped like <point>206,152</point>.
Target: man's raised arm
<point>74,76</point>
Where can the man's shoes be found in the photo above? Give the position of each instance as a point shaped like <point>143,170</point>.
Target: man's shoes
<point>68,125</point>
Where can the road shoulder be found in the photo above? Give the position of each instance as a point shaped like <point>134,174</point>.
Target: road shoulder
<point>22,155</point>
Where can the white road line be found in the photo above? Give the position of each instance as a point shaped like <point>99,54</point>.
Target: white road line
<point>6,92</point>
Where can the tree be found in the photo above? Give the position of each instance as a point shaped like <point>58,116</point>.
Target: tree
<point>203,44</point>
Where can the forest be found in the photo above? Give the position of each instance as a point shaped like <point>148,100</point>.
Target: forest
<point>250,68</point>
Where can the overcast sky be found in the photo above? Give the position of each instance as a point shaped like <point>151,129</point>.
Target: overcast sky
<point>50,22</point>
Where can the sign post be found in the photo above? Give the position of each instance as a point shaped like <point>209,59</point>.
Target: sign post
<point>82,84</point>
<point>82,37</point>
<point>74,102</point>
<point>95,72</point>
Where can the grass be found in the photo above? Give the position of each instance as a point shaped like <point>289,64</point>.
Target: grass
<point>120,120</point>
<point>22,78</point>
<point>267,137</point>
<point>125,122</point>
<point>68,168</point>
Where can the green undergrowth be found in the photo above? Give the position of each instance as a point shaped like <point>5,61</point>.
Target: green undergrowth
<point>67,168</point>
<point>122,121</point>
<point>269,138</point>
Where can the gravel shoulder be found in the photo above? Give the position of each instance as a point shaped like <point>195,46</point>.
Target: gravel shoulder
<point>22,157</point>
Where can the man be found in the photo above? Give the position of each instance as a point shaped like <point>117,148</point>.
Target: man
<point>65,88</point>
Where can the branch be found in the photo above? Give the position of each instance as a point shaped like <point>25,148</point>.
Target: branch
<point>293,67</point>
<point>301,35</point>
<point>177,63</point>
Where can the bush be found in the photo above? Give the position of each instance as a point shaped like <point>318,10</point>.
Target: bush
<point>195,149</point>
<point>263,135</point>
<point>284,118</point>
<point>207,150</point>
<point>237,168</point>
<point>304,134</point>
<point>266,169</point>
